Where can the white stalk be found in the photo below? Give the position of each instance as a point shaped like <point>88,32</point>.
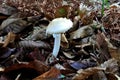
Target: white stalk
<point>56,44</point>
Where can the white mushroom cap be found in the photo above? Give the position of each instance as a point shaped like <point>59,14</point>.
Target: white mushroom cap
<point>59,25</point>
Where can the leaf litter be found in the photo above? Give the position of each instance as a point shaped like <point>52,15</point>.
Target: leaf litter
<point>90,50</point>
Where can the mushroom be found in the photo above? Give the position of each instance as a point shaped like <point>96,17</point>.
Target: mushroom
<point>56,27</point>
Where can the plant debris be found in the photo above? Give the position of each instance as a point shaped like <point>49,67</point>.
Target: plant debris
<point>89,50</point>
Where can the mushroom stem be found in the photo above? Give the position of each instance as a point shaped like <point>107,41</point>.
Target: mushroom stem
<point>56,44</point>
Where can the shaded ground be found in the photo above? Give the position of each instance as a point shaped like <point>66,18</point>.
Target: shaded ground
<point>90,50</point>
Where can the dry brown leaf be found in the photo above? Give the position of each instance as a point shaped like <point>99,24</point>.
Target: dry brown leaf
<point>82,32</point>
<point>84,74</point>
<point>100,76</point>
<point>35,65</point>
<point>87,19</point>
<point>52,74</point>
<point>103,47</point>
<point>10,39</point>
<point>49,7</point>
<point>115,53</point>
<point>111,66</point>
<point>111,22</point>
<point>26,6</point>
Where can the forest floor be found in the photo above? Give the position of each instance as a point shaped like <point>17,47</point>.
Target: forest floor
<point>89,50</point>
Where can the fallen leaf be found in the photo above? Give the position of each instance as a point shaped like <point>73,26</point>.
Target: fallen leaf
<point>7,10</point>
<point>87,19</point>
<point>111,66</point>
<point>69,55</point>
<point>39,33</point>
<point>15,26</point>
<point>111,21</point>
<point>102,46</point>
<point>10,39</point>
<point>82,64</point>
<point>84,74</point>
<point>67,71</point>
<point>115,54</point>
<point>77,65</point>
<point>100,75</point>
<point>49,7</point>
<point>82,32</point>
<point>53,73</point>
<point>7,22</point>
<point>63,38</point>
<point>35,65</point>
<point>33,44</point>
